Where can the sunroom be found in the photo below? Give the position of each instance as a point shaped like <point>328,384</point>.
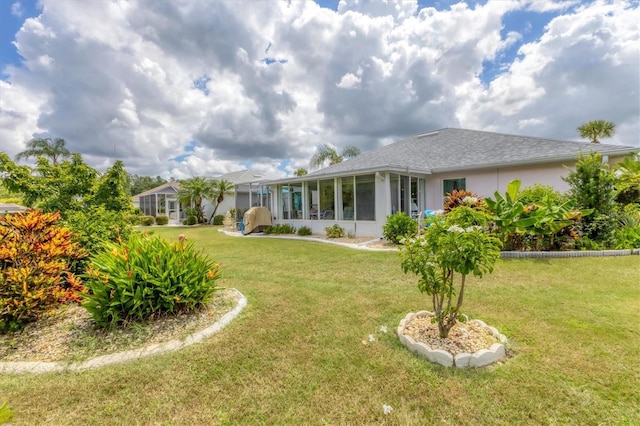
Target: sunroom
<point>360,203</point>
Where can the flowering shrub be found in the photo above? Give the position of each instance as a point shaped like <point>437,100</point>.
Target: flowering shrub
<point>146,277</point>
<point>398,226</point>
<point>453,244</point>
<point>36,255</point>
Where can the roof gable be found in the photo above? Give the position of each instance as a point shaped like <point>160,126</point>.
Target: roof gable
<point>166,188</point>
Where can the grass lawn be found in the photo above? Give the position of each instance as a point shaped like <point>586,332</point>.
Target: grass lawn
<point>296,353</point>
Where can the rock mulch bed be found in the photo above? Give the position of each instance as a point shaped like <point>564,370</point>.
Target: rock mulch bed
<point>469,344</point>
<point>69,333</point>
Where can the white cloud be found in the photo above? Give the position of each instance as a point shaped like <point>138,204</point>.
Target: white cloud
<point>119,78</point>
<point>16,9</point>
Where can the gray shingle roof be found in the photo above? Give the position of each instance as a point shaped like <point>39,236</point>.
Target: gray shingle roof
<point>459,149</point>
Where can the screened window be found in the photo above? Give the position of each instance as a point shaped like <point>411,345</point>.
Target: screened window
<point>348,204</point>
<point>326,199</point>
<point>449,185</point>
<point>365,197</point>
<point>312,199</point>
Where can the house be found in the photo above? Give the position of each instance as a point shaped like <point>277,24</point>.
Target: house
<point>8,208</point>
<point>413,174</point>
<point>247,190</point>
<point>161,200</point>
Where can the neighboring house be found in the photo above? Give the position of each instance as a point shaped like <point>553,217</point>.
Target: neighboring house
<point>415,173</point>
<point>161,200</point>
<point>11,208</point>
<point>246,193</point>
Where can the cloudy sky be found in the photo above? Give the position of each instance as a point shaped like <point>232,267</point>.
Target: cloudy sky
<point>200,88</point>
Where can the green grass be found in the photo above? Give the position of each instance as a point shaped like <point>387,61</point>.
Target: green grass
<point>296,354</point>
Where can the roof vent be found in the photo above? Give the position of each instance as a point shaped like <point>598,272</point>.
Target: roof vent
<point>424,135</point>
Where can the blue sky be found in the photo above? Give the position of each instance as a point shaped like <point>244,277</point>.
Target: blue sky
<point>11,19</point>
<point>202,87</point>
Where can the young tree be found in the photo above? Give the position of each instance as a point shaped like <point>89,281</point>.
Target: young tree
<point>50,187</point>
<point>45,147</point>
<point>220,189</point>
<point>327,153</point>
<point>592,186</point>
<point>595,129</point>
<point>456,244</point>
<point>111,190</point>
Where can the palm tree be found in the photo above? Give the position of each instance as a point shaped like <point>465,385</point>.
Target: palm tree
<point>597,129</point>
<point>220,188</point>
<point>45,147</point>
<point>193,191</point>
<point>325,152</point>
<point>300,172</point>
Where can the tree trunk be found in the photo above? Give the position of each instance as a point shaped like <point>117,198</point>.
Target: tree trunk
<point>215,209</point>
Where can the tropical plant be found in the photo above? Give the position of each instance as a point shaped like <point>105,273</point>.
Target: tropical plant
<point>595,129</point>
<point>399,226</point>
<point>627,180</point>
<point>327,153</point>
<point>300,172</point>
<point>146,277</point>
<point>218,219</point>
<point>538,193</point>
<point>451,244</point>
<point>36,257</point>
<point>592,186</point>
<point>219,188</point>
<point>334,231</point>
<point>45,147</point>
<point>193,191</point>
<point>512,220</point>
<point>462,197</point>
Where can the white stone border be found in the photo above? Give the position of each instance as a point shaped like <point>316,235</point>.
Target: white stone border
<point>39,367</point>
<point>481,358</point>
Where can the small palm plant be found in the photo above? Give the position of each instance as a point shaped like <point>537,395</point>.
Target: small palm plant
<point>596,129</point>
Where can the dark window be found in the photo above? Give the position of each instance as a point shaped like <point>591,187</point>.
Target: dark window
<point>449,185</point>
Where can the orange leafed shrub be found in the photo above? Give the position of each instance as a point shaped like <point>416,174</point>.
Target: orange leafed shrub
<point>457,198</point>
<point>35,257</point>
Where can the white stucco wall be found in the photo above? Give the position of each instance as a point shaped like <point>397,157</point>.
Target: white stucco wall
<point>486,182</point>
